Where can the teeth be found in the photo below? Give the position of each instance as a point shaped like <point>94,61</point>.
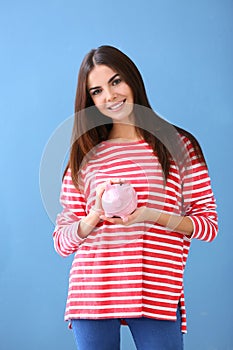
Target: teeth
<point>117,105</point>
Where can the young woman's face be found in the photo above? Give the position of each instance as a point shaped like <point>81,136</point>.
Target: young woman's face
<point>110,94</point>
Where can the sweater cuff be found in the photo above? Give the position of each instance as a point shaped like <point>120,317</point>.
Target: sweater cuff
<point>73,234</point>
<point>197,229</point>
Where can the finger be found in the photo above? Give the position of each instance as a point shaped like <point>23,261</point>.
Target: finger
<point>112,220</point>
<point>101,188</point>
<point>125,219</point>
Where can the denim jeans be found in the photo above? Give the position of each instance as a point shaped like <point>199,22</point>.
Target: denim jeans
<point>147,333</point>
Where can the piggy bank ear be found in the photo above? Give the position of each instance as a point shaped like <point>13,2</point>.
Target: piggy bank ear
<point>108,186</point>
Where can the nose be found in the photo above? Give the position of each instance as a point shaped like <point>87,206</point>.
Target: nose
<point>110,95</point>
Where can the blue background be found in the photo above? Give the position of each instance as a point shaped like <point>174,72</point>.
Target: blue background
<point>184,51</point>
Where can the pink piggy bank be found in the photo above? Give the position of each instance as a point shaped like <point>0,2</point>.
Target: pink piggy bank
<point>119,200</point>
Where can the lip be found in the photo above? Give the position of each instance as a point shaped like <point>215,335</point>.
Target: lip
<point>116,106</point>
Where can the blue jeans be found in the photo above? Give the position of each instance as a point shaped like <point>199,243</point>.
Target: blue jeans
<point>148,334</point>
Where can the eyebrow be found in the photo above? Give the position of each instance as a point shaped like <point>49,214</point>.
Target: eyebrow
<point>110,80</point>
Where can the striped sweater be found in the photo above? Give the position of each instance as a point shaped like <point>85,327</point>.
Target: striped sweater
<point>137,270</point>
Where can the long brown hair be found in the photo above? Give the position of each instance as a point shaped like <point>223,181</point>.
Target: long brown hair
<point>87,133</point>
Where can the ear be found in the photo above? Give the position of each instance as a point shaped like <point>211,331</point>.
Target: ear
<point>108,186</point>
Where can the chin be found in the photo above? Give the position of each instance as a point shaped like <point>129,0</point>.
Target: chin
<point>122,116</point>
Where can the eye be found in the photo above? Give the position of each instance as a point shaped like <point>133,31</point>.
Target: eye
<point>96,92</point>
<point>116,81</point>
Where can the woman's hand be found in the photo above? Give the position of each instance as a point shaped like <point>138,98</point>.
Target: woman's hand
<point>182,224</point>
<point>174,222</point>
<point>98,198</point>
<point>139,215</point>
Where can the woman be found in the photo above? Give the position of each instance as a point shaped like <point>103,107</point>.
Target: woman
<point>129,271</point>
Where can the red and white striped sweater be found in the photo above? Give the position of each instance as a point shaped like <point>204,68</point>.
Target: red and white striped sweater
<point>133,271</point>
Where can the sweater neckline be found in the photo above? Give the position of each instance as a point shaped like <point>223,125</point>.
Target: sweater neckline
<point>119,141</point>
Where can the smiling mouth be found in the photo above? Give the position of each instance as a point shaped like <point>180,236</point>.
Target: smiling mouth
<point>117,105</point>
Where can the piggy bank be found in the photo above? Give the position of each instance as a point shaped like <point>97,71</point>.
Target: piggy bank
<point>119,200</point>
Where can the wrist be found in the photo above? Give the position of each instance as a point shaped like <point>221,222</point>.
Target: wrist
<point>89,222</point>
<point>96,211</point>
<point>152,214</point>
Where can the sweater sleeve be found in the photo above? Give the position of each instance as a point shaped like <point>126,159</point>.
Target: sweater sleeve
<point>65,235</point>
<point>198,199</point>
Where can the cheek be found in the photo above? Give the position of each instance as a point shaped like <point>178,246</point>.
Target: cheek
<point>97,101</point>
<point>130,96</point>
<point>99,104</point>
<point>128,92</point>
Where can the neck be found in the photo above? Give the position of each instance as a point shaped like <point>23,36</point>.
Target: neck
<point>123,131</point>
